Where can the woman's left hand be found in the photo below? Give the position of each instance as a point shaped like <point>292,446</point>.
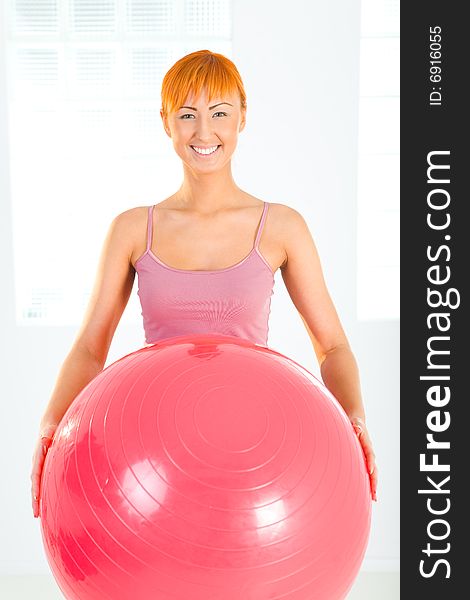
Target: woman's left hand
<point>363,436</point>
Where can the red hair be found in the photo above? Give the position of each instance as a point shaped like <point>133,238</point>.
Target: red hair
<point>196,71</point>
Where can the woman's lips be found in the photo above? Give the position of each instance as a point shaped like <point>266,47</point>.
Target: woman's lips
<point>205,155</point>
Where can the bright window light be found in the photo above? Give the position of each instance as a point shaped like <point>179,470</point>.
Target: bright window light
<point>86,140</point>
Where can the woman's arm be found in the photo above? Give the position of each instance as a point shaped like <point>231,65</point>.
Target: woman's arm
<point>112,288</point>
<point>78,369</point>
<point>303,277</point>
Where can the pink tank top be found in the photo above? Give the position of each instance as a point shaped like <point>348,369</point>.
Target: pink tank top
<point>232,301</point>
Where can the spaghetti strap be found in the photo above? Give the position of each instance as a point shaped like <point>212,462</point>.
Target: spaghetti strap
<point>233,301</point>
<point>149,228</point>
<point>260,228</point>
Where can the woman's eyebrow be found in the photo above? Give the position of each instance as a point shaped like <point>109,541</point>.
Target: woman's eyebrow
<point>210,107</point>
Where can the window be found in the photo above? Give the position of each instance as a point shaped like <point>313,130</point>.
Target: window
<point>378,167</point>
<point>86,139</point>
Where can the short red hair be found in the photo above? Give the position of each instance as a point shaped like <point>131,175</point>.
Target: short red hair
<point>200,70</point>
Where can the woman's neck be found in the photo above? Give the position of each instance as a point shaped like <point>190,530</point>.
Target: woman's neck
<point>207,193</point>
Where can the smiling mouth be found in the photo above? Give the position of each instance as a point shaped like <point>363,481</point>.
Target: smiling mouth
<point>205,154</point>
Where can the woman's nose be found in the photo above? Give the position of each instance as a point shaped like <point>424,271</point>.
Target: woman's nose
<point>205,127</point>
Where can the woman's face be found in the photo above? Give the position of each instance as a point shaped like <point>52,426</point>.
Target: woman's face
<point>210,127</point>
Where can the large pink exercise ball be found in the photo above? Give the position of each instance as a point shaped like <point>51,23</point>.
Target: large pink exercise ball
<point>205,468</point>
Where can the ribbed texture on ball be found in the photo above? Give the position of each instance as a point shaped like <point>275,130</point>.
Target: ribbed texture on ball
<point>205,467</point>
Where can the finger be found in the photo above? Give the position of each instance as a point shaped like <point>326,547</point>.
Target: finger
<point>35,489</point>
<point>369,454</point>
<point>35,496</point>
<point>38,463</point>
<point>35,506</point>
<point>371,466</point>
<point>41,451</point>
<point>46,443</point>
<point>358,430</point>
<point>370,461</point>
<point>363,436</point>
<point>373,484</point>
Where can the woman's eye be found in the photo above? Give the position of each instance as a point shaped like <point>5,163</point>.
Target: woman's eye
<point>191,115</point>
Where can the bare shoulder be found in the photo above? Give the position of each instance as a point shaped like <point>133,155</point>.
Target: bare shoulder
<point>288,226</point>
<point>132,217</point>
<point>287,215</point>
<point>128,227</point>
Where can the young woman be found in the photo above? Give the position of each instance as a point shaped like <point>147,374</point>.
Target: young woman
<point>210,236</point>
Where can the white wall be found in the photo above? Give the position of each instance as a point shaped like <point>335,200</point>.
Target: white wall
<point>299,62</point>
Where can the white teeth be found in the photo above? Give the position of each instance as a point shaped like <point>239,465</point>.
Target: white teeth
<point>204,150</point>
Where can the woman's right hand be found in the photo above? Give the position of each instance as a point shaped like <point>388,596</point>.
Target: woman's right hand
<point>42,446</point>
